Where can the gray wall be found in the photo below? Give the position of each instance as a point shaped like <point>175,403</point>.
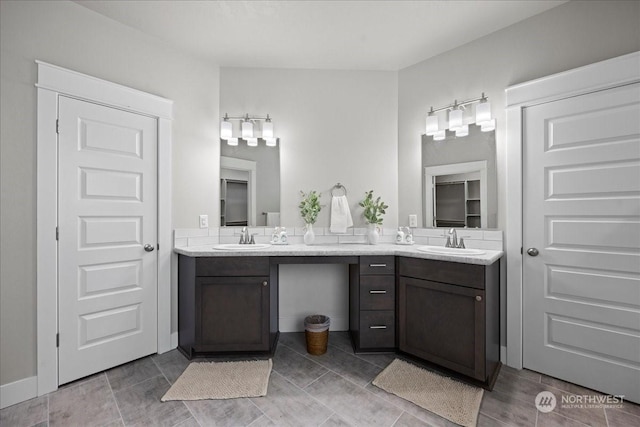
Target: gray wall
<point>71,36</point>
<point>569,36</point>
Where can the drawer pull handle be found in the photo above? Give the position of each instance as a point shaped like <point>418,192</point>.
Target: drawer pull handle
<point>478,298</point>
<point>377,292</point>
<point>264,283</point>
<point>378,327</point>
<point>377,265</point>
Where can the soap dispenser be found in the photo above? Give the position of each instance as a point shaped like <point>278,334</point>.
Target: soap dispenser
<point>400,235</point>
<point>275,236</point>
<point>283,236</point>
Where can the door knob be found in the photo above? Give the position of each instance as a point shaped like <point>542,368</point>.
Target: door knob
<point>148,247</point>
<point>533,251</point>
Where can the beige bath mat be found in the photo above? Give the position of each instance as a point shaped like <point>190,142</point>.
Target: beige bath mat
<point>451,399</point>
<point>221,380</point>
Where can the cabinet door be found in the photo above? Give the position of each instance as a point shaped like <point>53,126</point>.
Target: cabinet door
<point>443,324</point>
<point>232,314</point>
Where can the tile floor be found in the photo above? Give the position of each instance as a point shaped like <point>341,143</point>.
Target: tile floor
<point>329,390</point>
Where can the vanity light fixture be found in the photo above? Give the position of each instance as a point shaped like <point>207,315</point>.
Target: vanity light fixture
<point>226,128</point>
<point>455,117</point>
<point>432,123</point>
<point>247,130</point>
<point>267,128</point>
<point>483,111</point>
<point>456,120</point>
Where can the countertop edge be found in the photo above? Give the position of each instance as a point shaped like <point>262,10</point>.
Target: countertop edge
<point>341,250</point>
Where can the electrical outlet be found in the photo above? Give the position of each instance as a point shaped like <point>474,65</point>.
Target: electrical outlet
<point>413,220</point>
<point>204,221</point>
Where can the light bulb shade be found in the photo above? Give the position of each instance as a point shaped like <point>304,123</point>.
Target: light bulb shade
<point>232,141</point>
<point>455,119</point>
<point>488,126</point>
<point>483,112</point>
<point>431,125</point>
<point>271,142</point>
<point>247,129</point>
<point>226,129</point>
<point>440,135</point>
<point>267,130</point>
<point>462,131</point>
<point>252,142</point>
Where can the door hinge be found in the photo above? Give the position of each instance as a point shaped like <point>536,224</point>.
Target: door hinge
<point>57,340</point>
<point>521,250</point>
<point>158,246</point>
<point>57,126</point>
<point>57,234</point>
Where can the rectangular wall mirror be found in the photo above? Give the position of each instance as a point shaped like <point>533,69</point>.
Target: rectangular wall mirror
<point>249,184</point>
<point>460,180</point>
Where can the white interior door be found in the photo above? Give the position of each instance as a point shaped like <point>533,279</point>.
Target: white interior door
<point>107,209</point>
<point>581,213</point>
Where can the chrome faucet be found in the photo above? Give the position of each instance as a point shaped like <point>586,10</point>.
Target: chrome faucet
<point>452,239</point>
<point>246,238</point>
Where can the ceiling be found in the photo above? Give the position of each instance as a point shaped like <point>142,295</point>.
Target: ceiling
<point>332,34</point>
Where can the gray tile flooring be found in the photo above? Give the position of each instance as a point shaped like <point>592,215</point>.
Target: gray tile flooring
<point>329,390</point>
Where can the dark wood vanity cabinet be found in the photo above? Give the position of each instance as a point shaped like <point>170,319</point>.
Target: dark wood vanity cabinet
<point>224,305</point>
<point>372,301</point>
<point>448,314</point>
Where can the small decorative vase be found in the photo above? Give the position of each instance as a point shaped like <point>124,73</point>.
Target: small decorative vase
<point>373,234</point>
<point>309,235</point>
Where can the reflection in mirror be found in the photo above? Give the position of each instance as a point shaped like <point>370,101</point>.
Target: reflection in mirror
<point>460,180</point>
<point>249,185</point>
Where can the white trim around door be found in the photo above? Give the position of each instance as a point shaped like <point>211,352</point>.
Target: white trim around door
<point>54,81</point>
<point>579,81</point>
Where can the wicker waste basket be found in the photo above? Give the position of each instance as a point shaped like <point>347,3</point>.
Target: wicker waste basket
<point>316,331</point>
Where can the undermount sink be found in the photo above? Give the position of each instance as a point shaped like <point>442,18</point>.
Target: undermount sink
<point>242,247</point>
<point>450,251</point>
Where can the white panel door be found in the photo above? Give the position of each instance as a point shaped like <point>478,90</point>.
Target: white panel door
<point>107,280</point>
<point>581,213</point>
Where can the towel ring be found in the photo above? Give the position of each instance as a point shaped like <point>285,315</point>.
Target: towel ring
<point>338,186</point>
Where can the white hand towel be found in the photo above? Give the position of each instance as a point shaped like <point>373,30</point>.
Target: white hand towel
<point>340,214</point>
<point>273,219</point>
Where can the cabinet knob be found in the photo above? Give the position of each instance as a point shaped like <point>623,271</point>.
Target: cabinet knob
<point>265,283</point>
<point>478,298</point>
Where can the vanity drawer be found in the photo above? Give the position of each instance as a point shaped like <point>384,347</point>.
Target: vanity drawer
<point>377,265</point>
<point>377,292</point>
<point>232,266</point>
<point>377,329</point>
<point>455,273</point>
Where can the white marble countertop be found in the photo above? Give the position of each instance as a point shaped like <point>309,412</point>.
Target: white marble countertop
<point>341,249</point>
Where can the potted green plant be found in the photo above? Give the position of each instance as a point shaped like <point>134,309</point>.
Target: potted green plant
<point>309,210</point>
<point>373,212</point>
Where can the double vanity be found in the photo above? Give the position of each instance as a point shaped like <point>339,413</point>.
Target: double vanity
<point>437,305</point>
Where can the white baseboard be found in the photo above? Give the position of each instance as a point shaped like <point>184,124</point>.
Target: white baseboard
<point>503,354</point>
<point>18,391</point>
